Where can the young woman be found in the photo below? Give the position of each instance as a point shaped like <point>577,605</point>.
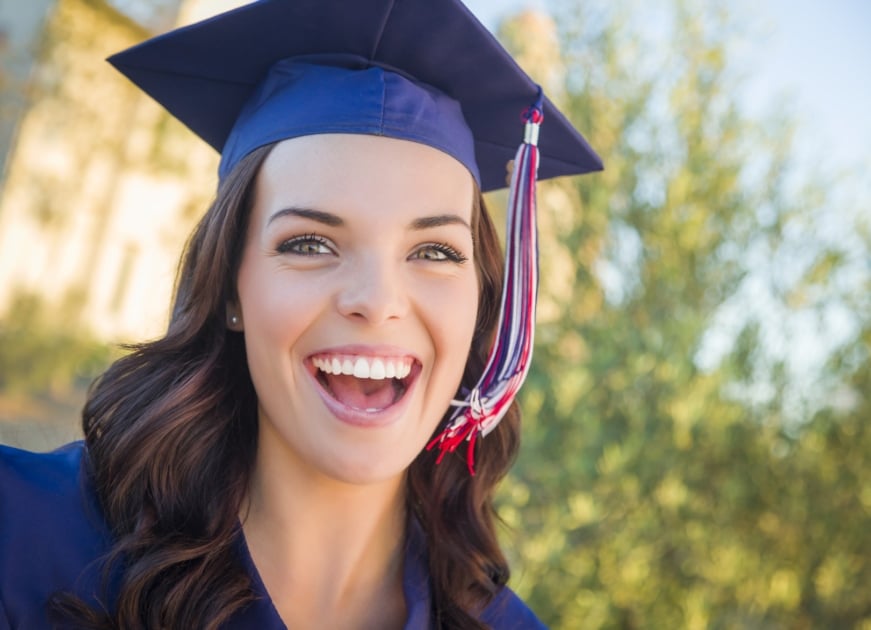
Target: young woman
<point>265,463</point>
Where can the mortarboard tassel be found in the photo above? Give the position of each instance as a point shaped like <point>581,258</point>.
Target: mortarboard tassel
<point>511,355</point>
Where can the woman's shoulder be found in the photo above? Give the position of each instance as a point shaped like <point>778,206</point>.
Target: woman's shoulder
<point>508,612</point>
<point>37,489</point>
<point>20,469</point>
<point>51,531</point>
<point>45,495</point>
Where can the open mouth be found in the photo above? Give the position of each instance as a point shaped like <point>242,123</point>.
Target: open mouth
<point>367,384</point>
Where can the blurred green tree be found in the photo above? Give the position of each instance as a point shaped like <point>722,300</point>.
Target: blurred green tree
<point>45,353</point>
<point>657,488</point>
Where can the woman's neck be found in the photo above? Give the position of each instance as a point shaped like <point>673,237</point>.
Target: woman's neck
<point>328,552</point>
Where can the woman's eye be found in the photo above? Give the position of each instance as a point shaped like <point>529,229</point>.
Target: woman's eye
<point>438,252</point>
<point>308,245</point>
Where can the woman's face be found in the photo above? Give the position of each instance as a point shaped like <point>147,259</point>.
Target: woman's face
<point>357,296</point>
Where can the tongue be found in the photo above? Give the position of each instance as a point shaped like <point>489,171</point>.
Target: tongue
<point>362,393</point>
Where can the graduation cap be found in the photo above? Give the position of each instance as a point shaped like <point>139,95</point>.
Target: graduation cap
<point>421,70</point>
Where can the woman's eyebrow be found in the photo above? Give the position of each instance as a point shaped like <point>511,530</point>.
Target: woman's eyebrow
<point>308,213</point>
<point>438,220</point>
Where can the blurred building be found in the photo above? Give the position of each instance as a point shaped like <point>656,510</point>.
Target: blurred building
<point>101,186</point>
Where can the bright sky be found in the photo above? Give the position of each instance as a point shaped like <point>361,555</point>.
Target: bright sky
<point>814,57</point>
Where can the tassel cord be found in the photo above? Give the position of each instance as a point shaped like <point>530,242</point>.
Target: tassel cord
<point>509,359</point>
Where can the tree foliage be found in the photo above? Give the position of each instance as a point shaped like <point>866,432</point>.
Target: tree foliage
<point>654,489</point>
<point>43,353</point>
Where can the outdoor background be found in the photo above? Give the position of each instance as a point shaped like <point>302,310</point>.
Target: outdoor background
<point>696,448</point>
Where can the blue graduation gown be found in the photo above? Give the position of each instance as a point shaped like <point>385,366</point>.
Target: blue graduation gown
<point>52,536</point>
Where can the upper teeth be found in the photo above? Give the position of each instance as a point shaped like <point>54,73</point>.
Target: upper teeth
<point>376,368</point>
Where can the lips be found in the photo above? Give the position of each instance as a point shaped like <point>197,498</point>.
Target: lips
<point>363,388</point>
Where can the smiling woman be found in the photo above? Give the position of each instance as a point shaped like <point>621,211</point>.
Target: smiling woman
<point>286,455</point>
<point>385,262</point>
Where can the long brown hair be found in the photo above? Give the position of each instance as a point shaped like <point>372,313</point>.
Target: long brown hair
<point>171,434</point>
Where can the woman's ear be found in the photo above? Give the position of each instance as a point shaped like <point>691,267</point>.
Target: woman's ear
<point>234,318</point>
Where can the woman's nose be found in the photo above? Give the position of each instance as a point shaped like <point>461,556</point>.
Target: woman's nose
<point>373,290</point>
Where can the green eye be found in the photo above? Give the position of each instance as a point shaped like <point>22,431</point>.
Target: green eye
<point>307,245</point>
<point>432,254</point>
<point>438,252</point>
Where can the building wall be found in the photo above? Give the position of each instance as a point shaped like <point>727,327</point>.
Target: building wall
<point>102,186</point>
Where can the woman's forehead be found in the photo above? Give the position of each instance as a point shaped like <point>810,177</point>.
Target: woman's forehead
<point>361,174</point>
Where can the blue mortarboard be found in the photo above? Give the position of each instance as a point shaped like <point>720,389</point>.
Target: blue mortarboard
<point>213,75</point>
<point>420,70</point>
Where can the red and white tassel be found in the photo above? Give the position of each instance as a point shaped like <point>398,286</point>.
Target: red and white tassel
<point>511,355</point>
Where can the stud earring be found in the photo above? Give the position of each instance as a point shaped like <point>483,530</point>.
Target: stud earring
<point>234,320</point>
